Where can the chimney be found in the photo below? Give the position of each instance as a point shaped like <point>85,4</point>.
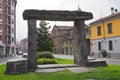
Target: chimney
<point>116,10</point>
<point>112,10</point>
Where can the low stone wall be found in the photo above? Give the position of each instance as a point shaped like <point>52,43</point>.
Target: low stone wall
<point>16,66</point>
<point>95,63</point>
<point>109,55</point>
<point>115,55</point>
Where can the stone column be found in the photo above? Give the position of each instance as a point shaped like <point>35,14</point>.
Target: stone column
<point>79,43</point>
<point>32,45</point>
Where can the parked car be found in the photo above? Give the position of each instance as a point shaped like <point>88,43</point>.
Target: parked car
<point>25,55</point>
<point>20,53</point>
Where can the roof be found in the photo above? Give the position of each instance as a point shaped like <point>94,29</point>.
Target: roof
<point>26,39</point>
<point>66,27</point>
<point>62,27</point>
<point>105,18</point>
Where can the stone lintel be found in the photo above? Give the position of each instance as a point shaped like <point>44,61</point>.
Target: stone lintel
<point>56,15</point>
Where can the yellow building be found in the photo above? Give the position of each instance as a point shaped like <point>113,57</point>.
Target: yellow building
<point>105,35</point>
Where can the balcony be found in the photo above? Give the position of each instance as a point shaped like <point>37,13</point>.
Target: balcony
<point>0,41</point>
<point>8,33</point>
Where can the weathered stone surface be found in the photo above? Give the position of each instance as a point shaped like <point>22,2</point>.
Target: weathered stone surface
<point>94,63</point>
<point>79,43</point>
<point>16,66</point>
<point>56,15</point>
<point>32,45</point>
<point>80,56</point>
<point>53,66</point>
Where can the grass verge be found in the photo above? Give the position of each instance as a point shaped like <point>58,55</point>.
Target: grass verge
<point>112,72</point>
<point>64,61</point>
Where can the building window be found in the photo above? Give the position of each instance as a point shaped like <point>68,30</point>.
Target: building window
<point>0,5</point>
<point>12,3</point>
<point>87,31</point>
<point>12,21</point>
<point>9,19</point>
<point>8,41</point>
<point>12,39</point>
<point>99,30</point>
<point>0,16</point>
<point>0,37</point>
<point>9,2</point>
<point>110,45</point>
<point>12,12</point>
<point>109,27</point>
<point>9,10</point>
<point>99,46</point>
<point>0,26</point>
<point>12,30</point>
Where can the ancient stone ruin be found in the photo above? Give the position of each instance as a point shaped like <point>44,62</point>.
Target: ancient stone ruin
<point>79,39</point>
<point>79,17</point>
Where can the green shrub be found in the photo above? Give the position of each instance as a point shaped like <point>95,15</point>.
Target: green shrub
<point>45,55</point>
<point>46,61</point>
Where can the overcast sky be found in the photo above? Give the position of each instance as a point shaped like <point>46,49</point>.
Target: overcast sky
<point>99,8</point>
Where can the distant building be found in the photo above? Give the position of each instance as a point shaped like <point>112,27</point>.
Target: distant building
<point>105,35</point>
<point>63,39</point>
<point>23,45</point>
<point>7,27</point>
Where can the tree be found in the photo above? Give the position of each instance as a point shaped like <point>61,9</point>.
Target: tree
<point>44,40</point>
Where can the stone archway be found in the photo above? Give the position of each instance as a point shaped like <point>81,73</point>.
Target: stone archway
<point>79,47</point>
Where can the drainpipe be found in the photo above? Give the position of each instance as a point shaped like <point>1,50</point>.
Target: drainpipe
<point>103,35</point>
<point>4,50</point>
<point>104,41</point>
<point>103,30</point>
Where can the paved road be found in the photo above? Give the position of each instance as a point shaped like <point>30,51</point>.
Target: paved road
<point>109,60</point>
<point>5,59</point>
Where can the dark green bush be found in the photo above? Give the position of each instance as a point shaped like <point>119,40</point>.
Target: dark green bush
<point>45,55</point>
<point>46,61</point>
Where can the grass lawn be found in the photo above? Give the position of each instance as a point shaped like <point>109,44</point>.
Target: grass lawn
<point>112,71</point>
<point>64,61</point>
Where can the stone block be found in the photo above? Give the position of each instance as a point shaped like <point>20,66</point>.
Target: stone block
<point>95,63</point>
<point>16,66</point>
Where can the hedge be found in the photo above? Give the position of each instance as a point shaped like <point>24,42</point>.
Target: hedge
<point>46,61</point>
<point>45,55</point>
